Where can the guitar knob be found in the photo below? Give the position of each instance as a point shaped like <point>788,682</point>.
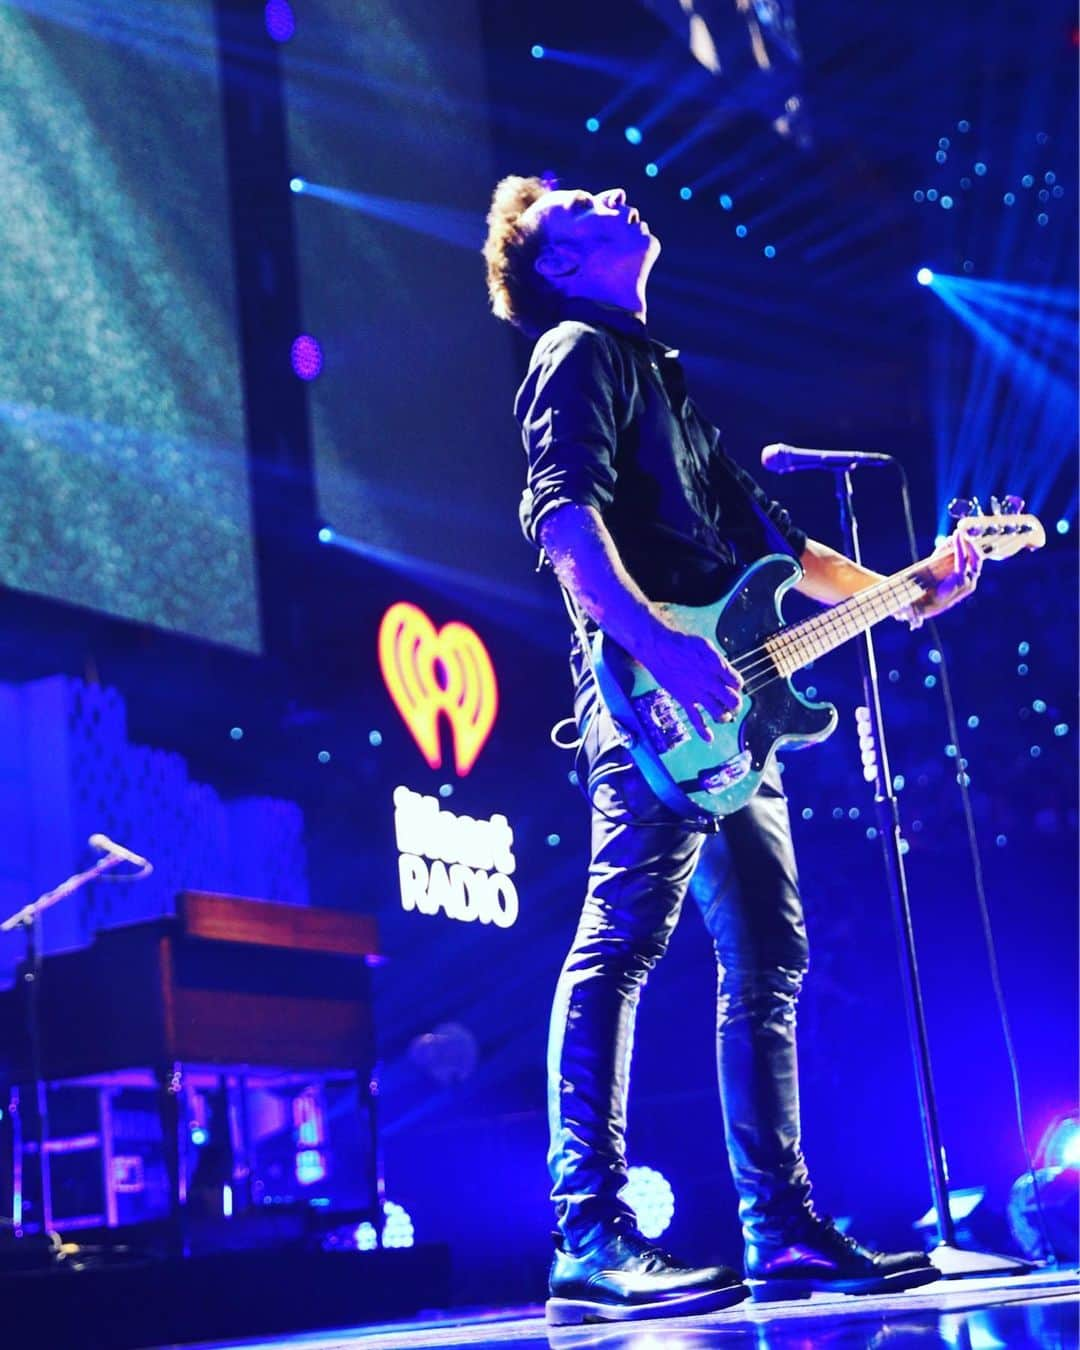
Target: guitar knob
<point>1013,505</point>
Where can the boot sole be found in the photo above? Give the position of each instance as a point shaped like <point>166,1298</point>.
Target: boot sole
<point>779,1291</point>
<point>566,1312</point>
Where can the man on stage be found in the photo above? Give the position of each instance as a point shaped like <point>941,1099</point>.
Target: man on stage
<point>633,500</point>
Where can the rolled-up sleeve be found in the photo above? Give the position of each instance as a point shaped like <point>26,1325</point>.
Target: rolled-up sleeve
<point>567,411</point>
<point>765,526</point>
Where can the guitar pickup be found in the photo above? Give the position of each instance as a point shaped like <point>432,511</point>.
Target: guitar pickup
<point>663,720</point>
<point>724,775</point>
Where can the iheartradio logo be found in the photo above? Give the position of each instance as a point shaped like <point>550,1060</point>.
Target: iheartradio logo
<point>429,671</point>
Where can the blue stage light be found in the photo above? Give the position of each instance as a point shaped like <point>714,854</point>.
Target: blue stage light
<point>633,135</point>
<point>326,534</point>
<point>934,656</point>
<point>1062,729</point>
<point>397,1230</point>
<point>741,231</point>
<point>969,266</point>
<point>649,1194</point>
<point>725,201</point>
<point>963,125</point>
<point>931,194</point>
<point>279,19</point>
<point>854,813</point>
<point>572,778</point>
<point>808,813</point>
<point>1062,526</point>
<point>1044,195</point>
<point>1039,705</point>
<point>965,183</point>
<point>1049,176</point>
<point>686,193</point>
<point>941,156</point>
<point>306,356</point>
<point>950,751</point>
<point>374,738</point>
<point>919,195</point>
<point>899,782</point>
<point>199,1136</point>
<point>236,733</point>
<point>1043,218</point>
<point>871,832</point>
<point>947,203</point>
<point>1023,648</point>
<point>838,813</point>
<point>1009,199</point>
<point>446,790</point>
<point>769,251</point>
<point>1022,668</point>
<point>323,756</point>
<point>943,143</point>
<point>592,124</point>
<point>1028,180</point>
<point>894,677</point>
<point>1035,751</point>
<point>553,841</point>
<point>537,51</point>
<point>651,170</point>
<point>973,721</point>
<point>930,681</point>
<point>980,169</point>
<point>296,185</point>
<point>1001,841</point>
<point>924,276</point>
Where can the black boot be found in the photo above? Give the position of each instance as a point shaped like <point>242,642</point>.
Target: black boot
<point>816,1257</point>
<point>622,1277</point>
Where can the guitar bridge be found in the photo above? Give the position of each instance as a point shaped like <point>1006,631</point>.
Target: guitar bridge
<point>663,720</point>
<point>724,775</point>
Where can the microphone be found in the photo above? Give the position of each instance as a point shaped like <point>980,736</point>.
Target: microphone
<point>104,844</point>
<point>788,458</point>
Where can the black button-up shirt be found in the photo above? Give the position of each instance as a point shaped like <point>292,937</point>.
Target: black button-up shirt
<point>607,423</point>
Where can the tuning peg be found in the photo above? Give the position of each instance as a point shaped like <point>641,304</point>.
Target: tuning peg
<point>995,507</point>
<point>960,507</point>
<point>1013,505</point>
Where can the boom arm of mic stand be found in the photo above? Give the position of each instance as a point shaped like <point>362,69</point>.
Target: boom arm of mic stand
<point>28,913</point>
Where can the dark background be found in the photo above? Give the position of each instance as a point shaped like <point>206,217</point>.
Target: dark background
<point>181,468</point>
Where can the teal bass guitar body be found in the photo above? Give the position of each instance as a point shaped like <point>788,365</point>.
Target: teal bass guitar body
<point>699,779</point>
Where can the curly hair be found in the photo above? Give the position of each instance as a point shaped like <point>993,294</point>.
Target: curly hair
<point>517,291</point>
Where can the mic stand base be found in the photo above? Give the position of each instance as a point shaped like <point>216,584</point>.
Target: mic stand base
<point>956,1263</point>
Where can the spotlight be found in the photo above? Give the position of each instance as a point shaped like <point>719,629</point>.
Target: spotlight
<point>296,185</point>
<point>980,168</point>
<point>725,201</point>
<point>649,1194</point>
<point>279,19</point>
<point>1043,218</point>
<point>769,251</point>
<point>941,156</point>
<point>323,756</point>
<point>924,276</point>
<point>931,194</point>
<point>633,135</point>
<point>592,124</point>
<point>236,733</point>
<point>741,231</point>
<point>397,1230</point>
<point>1062,526</point>
<point>1009,199</point>
<point>375,738</point>
<point>553,841</point>
<point>947,203</point>
<point>963,125</point>
<point>651,170</point>
<point>446,790</point>
<point>306,356</point>
<point>686,193</point>
<point>537,52</point>
<point>1027,181</point>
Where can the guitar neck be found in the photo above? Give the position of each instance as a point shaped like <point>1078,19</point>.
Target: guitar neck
<point>794,647</point>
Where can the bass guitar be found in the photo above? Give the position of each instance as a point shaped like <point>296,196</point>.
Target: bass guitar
<point>704,780</point>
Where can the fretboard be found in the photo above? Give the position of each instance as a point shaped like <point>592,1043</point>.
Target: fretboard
<point>794,647</point>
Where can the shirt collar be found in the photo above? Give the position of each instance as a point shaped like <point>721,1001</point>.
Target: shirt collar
<point>618,320</point>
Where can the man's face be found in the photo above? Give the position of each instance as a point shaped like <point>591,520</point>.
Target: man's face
<point>594,232</point>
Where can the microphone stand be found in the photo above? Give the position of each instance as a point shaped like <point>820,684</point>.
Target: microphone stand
<point>952,1260</point>
<point>28,919</point>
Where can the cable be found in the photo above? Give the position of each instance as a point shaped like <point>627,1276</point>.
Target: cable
<point>980,889</point>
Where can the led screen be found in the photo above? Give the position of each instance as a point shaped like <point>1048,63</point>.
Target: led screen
<point>123,479</point>
<point>417,454</point>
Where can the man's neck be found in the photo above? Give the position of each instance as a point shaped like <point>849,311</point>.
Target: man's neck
<point>629,298</point>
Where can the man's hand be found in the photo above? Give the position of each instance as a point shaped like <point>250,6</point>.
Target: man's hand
<point>694,673</point>
<point>951,589</point>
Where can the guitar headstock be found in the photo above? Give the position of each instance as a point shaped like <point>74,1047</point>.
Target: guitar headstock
<point>1004,532</point>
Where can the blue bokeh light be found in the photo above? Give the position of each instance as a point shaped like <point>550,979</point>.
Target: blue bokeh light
<point>924,276</point>
<point>726,201</point>
<point>633,135</point>
<point>236,733</point>
<point>686,193</point>
<point>741,231</point>
<point>1009,199</point>
<point>536,51</point>
<point>1062,526</point>
<point>769,250</point>
<point>306,357</point>
<point>279,19</point>
<point>980,169</point>
<point>374,738</point>
<point>651,169</point>
<point>649,1194</point>
<point>296,185</point>
<point>592,124</point>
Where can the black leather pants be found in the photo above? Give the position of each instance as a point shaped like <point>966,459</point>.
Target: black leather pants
<point>744,880</point>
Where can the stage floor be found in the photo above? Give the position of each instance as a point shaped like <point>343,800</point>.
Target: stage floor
<point>1032,1310</point>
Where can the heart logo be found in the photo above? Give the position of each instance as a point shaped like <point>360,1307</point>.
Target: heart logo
<point>428,672</point>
